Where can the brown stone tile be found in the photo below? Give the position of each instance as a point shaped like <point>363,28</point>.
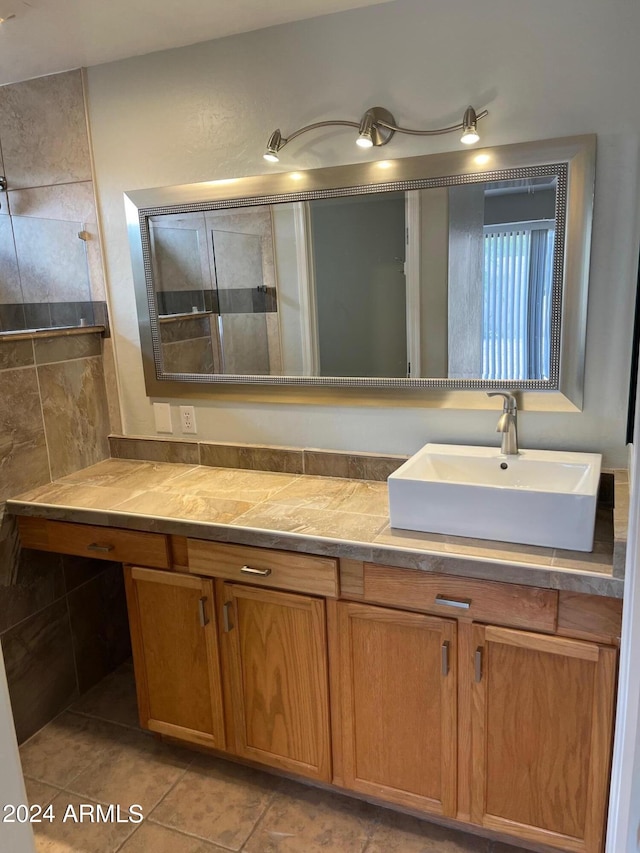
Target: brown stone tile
<point>373,467</point>
<point>152,838</point>
<point>155,450</point>
<point>63,348</point>
<point>38,655</point>
<point>37,581</point>
<point>112,699</point>
<point>65,748</point>
<point>133,767</point>
<point>220,455</point>
<point>324,463</point>
<point>271,459</point>
<point>598,560</point>
<point>307,820</point>
<point>105,473</point>
<point>397,833</point>
<point>249,486</point>
<point>499,847</point>
<point>79,570</point>
<point>111,381</point>
<point>186,506</point>
<point>332,524</point>
<point>217,801</point>
<point>489,549</point>
<point>366,497</point>
<point>15,354</point>
<point>23,451</point>
<point>99,626</point>
<point>129,474</point>
<point>80,837</point>
<point>314,492</point>
<point>78,495</point>
<point>39,793</point>
<point>75,414</point>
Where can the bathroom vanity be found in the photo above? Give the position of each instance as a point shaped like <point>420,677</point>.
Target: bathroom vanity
<point>431,673</point>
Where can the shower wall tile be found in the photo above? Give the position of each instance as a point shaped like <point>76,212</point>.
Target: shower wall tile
<point>23,452</point>
<point>111,385</point>
<point>48,350</point>
<point>44,132</point>
<point>52,260</point>
<point>10,290</point>
<point>12,317</point>
<point>67,202</point>
<point>38,656</point>
<point>75,414</point>
<point>15,354</point>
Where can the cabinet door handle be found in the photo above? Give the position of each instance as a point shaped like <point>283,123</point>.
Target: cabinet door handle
<point>103,549</point>
<point>445,658</point>
<point>464,603</point>
<point>478,663</point>
<point>247,570</point>
<point>226,622</point>
<point>203,614</point>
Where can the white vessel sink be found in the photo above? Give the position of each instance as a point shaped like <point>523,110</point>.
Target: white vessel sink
<point>540,497</point>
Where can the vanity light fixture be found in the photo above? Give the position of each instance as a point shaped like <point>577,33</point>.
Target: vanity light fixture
<point>376,127</point>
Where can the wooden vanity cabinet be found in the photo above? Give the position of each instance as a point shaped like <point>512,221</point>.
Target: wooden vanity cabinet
<point>541,732</point>
<point>398,688</point>
<point>172,620</point>
<point>274,654</point>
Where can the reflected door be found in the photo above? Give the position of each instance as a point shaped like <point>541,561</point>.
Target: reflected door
<point>358,266</point>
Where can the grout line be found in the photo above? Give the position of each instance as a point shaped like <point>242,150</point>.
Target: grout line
<point>67,360</point>
<point>257,825</point>
<point>183,832</point>
<point>126,726</point>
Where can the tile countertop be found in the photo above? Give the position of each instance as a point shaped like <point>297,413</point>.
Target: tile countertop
<point>316,515</point>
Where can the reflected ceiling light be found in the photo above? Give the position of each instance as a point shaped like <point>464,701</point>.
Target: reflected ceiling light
<point>482,159</point>
<point>376,127</point>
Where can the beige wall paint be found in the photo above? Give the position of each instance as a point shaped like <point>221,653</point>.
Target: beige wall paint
<point>543,70</point>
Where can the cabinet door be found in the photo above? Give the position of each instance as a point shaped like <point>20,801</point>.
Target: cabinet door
<point>175,655</point>
<point>276,651</point>
<point>398,701</point>
<point>542,725</point>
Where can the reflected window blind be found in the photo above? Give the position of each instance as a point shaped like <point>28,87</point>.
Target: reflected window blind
<point>518,267</point>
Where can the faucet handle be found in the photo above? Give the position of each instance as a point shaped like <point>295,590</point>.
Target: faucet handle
<point>510,402</point>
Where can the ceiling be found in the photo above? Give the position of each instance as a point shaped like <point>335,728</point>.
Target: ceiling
<point>47,36</point>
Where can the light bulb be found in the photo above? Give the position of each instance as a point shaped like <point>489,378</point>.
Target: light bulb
<point>364,142</point>
<point>469,136</point>
<point>271,157</point>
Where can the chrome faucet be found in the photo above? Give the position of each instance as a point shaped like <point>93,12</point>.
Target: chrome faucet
<point>508,423</point>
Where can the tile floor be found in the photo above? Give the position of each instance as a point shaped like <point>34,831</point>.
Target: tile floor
<point>94,753</point>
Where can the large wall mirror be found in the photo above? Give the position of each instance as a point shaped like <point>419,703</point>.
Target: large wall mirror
<point>450,272</point>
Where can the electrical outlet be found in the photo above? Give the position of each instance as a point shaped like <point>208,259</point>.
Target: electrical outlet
<point>162,417</point>
<point>188,419</point>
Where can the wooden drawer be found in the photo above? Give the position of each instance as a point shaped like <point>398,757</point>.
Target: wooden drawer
<point>483,601</point>
<point>101,543</point>
<point>264,567</point>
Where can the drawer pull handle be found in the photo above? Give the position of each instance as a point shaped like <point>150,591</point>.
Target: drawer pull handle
<point>247,570</point>
<point>463,603</point>
<point>103,549</point>
<point>226,622</point>
<point>478,664</point>
<point>202,612</point>
<point>445,658</point>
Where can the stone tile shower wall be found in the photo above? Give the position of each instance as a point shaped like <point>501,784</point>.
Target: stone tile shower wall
<point>63,620</point>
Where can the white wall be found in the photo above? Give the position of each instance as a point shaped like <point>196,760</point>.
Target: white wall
<point>543,69</point>
<point>16,837</point>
